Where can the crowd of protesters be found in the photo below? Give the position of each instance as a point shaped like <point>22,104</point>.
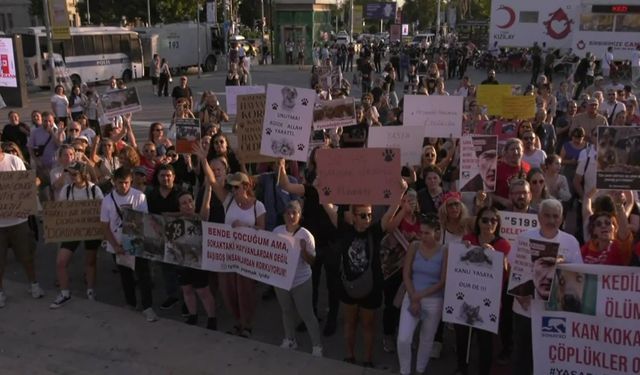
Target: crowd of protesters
<point>548,170</point>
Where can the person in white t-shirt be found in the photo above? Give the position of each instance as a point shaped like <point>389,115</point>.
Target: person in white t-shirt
<point>550,218</point>
<point>298,300</point>
<point>635,65</point>
<point>112,216</point>
<point>79,189</point>
<point>607,61</point>
<point>16,234</point>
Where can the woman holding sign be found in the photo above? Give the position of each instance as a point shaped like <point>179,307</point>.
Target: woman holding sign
<point>486,233</point>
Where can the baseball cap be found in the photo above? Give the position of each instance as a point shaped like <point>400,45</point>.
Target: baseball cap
<point>237,179</point>
<point>78,167</point>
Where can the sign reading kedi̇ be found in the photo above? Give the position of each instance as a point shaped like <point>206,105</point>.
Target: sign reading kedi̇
<point>359,176</point>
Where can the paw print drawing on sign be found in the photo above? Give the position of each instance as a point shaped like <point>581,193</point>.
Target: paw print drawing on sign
<point>326,190</point>
<point>274,106</point>
<point>387,193</point>
<point>516,277</point>
<point>493,318</point>
<point>487,302</point>
<point>449,310</point>
<point>268,131</point>
<point>304,101</point>
<point>300,147</point>
<point>388,155</point>
<point>460,295</point>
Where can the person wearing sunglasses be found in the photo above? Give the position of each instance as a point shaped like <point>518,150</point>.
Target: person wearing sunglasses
<point>219,146</point>
<point>486,233</point>
<point>532,153</point>
<point>158,137</point>
<point>539,191</point>
<point>13,149</point>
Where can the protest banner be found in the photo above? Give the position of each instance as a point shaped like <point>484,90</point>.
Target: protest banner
<point>119,102</point>
<point>18,194</point>
<point>518,107</point>
<point>72,220</point>
<point>257,254</point>
<point>249,128</point>
<point>473,287</point>
<point>589,326</point>
<point>491,97</point>
<point>359,176</point>
<point>183,242</point>
<point>393,249</point>
<point>514,223</point>
<point>406,138</point>
<point>329,114</point>
<point>233,92</point>
<point>502,129</point>
<point>441,116</point>
<point>532,257</point>
<point>287,122</point>
<point>478,162</point>
<point>618,162</point>
<point>143,234</point>
<point>187,134</point>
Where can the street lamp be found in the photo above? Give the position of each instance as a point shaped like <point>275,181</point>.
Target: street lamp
<point>88,13</point>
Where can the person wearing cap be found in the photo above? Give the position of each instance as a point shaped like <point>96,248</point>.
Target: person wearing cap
<point>491,78</point>
<point>487,158</point>
<point>298,300</point>
<point>589,119</point>
<point>80,188</point>
<point>139,181</point>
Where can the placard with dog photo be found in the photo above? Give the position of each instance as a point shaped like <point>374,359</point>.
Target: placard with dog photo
<point>183,242</point>
<point>478,163</point>
<point>287,122</point>
<point>329,114</point>
<point>473,287</point>
<point>119,102</point>
<point>143,234</point>
<point>187,134</point>
<point>618,161</point>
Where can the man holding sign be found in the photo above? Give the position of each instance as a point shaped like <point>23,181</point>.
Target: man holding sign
<point>16,234</point>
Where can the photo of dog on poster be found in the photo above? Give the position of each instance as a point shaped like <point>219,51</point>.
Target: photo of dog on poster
<point>618,161</point>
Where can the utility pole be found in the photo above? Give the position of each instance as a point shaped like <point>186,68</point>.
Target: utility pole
<point>262,24</point>
<point>438,24</point>
<point>351,20</point>
<point>198,33</point>
<point>148,12</point>
<point>47,25</point>
<point>88,13</point>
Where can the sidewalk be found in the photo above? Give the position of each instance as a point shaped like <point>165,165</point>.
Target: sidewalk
<point>94,338</point>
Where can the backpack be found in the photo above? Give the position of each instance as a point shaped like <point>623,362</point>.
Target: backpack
<point>93,191</point>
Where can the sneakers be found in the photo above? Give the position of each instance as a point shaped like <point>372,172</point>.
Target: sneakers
<point>36,291</point>
<point>316,351</point>
<point>290,344</point>
<point>60,300</point>
<point>388,344</point>
<point>169,303</point>
<point>436,350</point>
<point>3,299</point>
<point>91,295</point>
<point>150,315</point>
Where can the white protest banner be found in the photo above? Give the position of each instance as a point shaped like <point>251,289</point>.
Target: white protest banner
<point>514,223</point>
<point>257,254</point>
<point>183,242</point>
<point>407,138</point>
<point>18,194</point>
<point>118,102</point>
<point>232,92</point>
<point>72,220</point>
<point>187,134</point>
<point>329,114</point>
<point>473,287</point>
<point>589,326</point>
<point>287,122</point>
<point>478,162</point>
<point>441,116</point>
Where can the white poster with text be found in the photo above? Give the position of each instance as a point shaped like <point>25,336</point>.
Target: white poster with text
<point>441,116</point>
<point>407,138</point>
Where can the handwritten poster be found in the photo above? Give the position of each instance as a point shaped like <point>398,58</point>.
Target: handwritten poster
<point>72,220</point>
<point>249,128</point>
<point>18,194</point>
<point>441,116</point>
<point>491,97</point>
<point>518,107</point>
<point>406,138</point>
<point>232,93</point>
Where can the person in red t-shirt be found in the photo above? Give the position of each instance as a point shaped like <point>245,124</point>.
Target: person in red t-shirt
<point>510,166</point>
<point>611,240</point>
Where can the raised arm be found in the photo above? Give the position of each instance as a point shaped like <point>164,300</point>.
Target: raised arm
<point>218,188</point>
<point>332,212</point>
<point>285,184</point>
<point>386,218</point>
<point>206,203</point>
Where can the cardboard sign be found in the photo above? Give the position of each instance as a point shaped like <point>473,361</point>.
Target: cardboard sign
<point>257,254</point>
<point>329,114</point>
<point>478,163</point>
<point>393,249</point>
<point>359,176</point>
<point>441,116</point>
<point>287,122</point>
<point>618,162</point>
<point>249,128</point>
<point>18,194</point>
<point>187,134</point>
<point>118,102</point>
<point>473,287</point>
<point>518,107</point>
<point>589,326</point>
<point>232,93</point>
<point>491,97</point>
<point>406,138</point>
<point>72,220</point>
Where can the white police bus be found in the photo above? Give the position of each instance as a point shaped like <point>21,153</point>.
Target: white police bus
<point>92,54</point>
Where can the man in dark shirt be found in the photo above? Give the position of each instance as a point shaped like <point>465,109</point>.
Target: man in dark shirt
<point>491,79</point>
<point>366,70</point>
<point>16,132</point>
<point>182,91</point>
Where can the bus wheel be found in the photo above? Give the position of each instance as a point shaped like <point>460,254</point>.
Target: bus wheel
<point>127,76</point>
<point>210,64</point>
<point>76,80</point>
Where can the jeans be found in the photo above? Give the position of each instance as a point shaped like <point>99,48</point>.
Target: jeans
<point>523,351</point>
<point>430,315</point>
<point>298,299</point>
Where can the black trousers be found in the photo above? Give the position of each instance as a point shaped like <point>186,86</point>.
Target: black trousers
<point>523,351</point>
<point>128,278</point>
<point>484,345</point>
<point>163,85</point>
<point>327,256</point>
<point>390,313</point>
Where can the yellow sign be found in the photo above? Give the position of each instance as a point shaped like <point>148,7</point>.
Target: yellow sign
<point>59,17</point>
<point>357,19</point>
<point>518,107</point>
<point>491,96</point>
